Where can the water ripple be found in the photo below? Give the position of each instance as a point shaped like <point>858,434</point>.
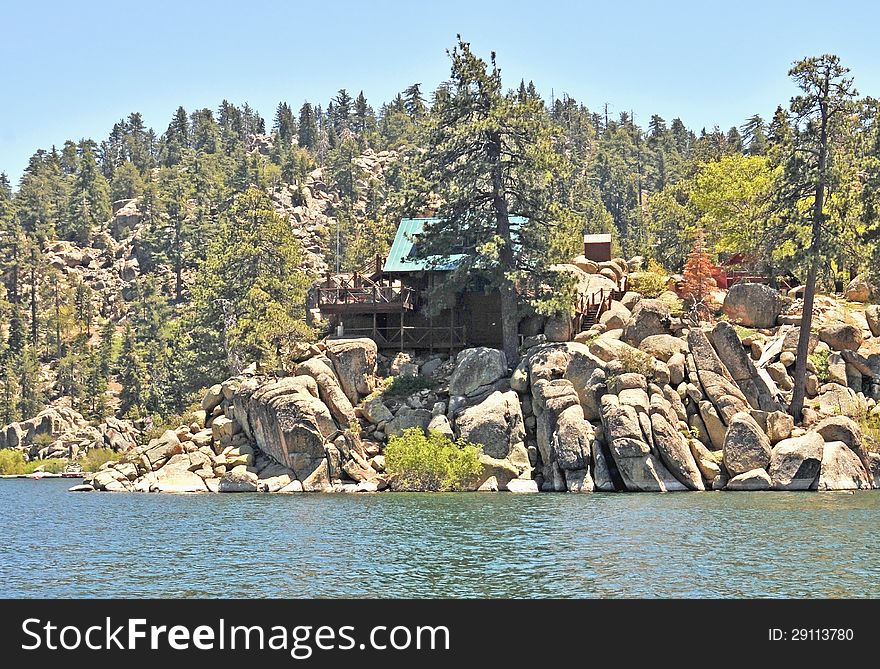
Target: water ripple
<point>410,545</point>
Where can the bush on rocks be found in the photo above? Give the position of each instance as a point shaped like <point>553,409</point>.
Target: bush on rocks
<point>431,463</point>
<point>650,283</point>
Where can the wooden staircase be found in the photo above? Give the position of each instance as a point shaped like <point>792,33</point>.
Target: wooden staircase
<point>589,309</point>
<point>590,317</point>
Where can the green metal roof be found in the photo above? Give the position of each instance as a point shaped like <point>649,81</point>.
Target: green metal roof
<point>402,256</point>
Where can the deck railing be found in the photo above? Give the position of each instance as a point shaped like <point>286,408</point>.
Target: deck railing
<point>367,295</point>
<point>413,337</point>
<point>361,290</point>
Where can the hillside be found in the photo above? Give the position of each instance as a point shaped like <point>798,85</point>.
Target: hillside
<point>141,268</point>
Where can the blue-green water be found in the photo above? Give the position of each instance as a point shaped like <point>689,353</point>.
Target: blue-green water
<point>60,544</point>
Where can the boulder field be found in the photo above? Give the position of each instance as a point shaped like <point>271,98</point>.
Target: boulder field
<point>650,405</point>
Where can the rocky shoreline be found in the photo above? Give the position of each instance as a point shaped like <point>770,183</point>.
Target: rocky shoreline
<point>639,403</point>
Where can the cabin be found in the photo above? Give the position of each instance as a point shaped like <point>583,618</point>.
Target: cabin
<point>387,302</point>
<point>597,247</point>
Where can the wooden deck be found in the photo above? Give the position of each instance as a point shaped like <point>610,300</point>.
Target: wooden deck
<point>358,294</point>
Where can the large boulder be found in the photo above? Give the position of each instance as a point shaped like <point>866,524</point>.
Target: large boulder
<point>558,329</point>
<point>615,317</point>
<point>663,346</point>
<point>212,398</point>
<point>176,477</point>
<point>238,480</point>
<point>354,361</point>
<point>160,450</point>
<point>476,368</point>
<point>496,424</point>
<point>676,453</point>
<point>639,469</point>
<point>408,418</point>
<point>874,468</point>
<point>376,412</point>
<point>845,429</point>
<point>779,426</point>
<point>568,437</point>
<point>579,480</point>
<point>706,463</point>
<point>753,305</point>
<point>585,371</point>
<point>859,290</point>
<point>724,394</point>
<point>287,422</point>
<point>746,447</point>
<point>650,317</point>
<point>739,364</point>
<point>755,479</point>
<point>841,469</point>
<point>872,316</point>
<point>329,390</point>
<point>795,462</point>
<point>602,477</point>
<point>841,336</point>
<point>703,354</point>
<point>836,400</point>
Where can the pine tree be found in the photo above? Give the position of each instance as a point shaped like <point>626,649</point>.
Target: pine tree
<point>89,204</point>
<point>339,111</point>
<point>252,284</point>
<point>734,141</point>
<point>308,127</point>
<point>32,398</point>
<point>754,135</point>
<point>492,158</point>
<point>127,182</point>
<point>176,139</point>
<point>284,126</point>
<point>413,101</point>
<point>94,384</point>
<point>42,197</point>
<point>821,111</point>
<point>9,390</point>
<point>204,131</point>
<point>105,355</point>
<point>138,145</point>
<point>364,118</point>
<point>132,377</point>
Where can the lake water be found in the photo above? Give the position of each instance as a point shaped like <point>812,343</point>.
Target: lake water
<point>60,544</point>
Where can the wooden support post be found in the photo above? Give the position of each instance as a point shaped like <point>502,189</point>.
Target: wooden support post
<point>451,328</point>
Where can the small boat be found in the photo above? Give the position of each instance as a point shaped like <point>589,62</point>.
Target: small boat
<point>36,475</point>
<point>73,471</point>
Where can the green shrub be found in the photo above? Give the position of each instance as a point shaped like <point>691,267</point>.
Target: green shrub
<point>97,457</point>
<point>819,358</point>
<point>635,361</point>
<point>431,463</point>
<point>13,462</point>
<point>675,303</point>
<point>742,331</point>
<point>870,425</point>
<point>43,440</point>
<point>401,386</point>
<point>650,283</point>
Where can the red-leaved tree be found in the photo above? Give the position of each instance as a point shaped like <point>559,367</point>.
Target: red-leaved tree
<point>698,282</point>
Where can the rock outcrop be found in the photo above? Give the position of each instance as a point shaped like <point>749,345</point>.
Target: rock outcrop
<point>647,402</point>
<point>753,305</point>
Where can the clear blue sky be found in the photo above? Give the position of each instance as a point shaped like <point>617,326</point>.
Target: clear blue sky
<point>71,69</point>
